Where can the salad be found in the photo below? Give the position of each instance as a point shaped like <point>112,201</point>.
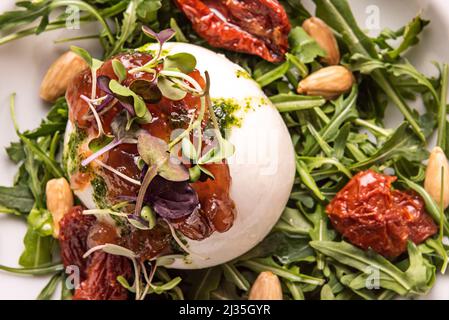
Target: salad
<point>230,150</point>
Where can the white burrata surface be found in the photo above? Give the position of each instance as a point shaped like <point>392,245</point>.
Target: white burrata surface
<point>262,167</point>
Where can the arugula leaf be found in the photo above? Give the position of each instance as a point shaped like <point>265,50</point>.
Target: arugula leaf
<point>442,138</point>
<point>128,26</point>
<point>304,47</point>
<point>273,74</point>
<point>391,277</point>
<point>291,274</point>
<point>286,248</point>
<point>338,15</point>
<point>293,222</point>
<point>49,290</point>
<point>410,36</point>
<point>56,120</point>
<point>15,152</point>
<point>293,102</point>
<point>31,10</point>
<point>406,70</point>
<point>18,198</point>
<point>232,274</point>
<point>420,272</point>
<point>38,250</point>
<point>204,282</point>
<point>431,206</point>
<point>345,109</point>
<point>400,144</point>
<point>41,221</point>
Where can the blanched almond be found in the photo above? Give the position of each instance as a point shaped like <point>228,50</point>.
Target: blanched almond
<point>266,287</point>
<point>323,35</point>
<point>59,201</point>
<point>329,82</point>
<point>59,75</point>
<point>432,183</point>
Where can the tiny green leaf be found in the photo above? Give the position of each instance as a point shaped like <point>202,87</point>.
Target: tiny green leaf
<point>188,149</point>
<point>140,107</point>
<point>194,173</point>
<point>154,152</point>
<point>170,90</point>
<point>149,216</point>
<point>184,62</point>
<point>119,70</point>
<point>84,54</point>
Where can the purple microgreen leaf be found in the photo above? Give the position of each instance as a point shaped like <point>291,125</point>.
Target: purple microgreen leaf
<point>105,102</point>
<point>160,37</point>
<point>166,35</point>
<point>149,32</point>
<point>152,150</point>
<point>171,199</point>
<point>103,84</point>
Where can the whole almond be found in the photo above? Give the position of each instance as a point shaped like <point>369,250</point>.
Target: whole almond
<point>59,75</point>
<point>59,201</point>
<point>323,35</point>
<point>432,183</point>
<point>266,287</point>
<point>329,82</point>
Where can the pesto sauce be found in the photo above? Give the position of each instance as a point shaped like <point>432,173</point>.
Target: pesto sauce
<point>242,74</point>
<point>72,158</point>
<point>100,191</point>
<point>226,112</point>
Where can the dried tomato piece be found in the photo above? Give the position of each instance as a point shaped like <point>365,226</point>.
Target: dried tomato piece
<point>371,215</point>
<point>258,27</point>
<point>98,272</point>
<point>101,282</point>
<point>73,235</point>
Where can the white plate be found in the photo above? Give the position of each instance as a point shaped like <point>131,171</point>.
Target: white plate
<point>24,62</point>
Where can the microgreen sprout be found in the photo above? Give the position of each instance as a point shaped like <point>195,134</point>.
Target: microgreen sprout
<point>94,65</point>
<point>118,173</point>
<point>119,70</point>
<point>161,38</point>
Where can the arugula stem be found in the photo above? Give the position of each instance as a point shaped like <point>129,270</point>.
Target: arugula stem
<point>44,270</point>
<point>442,110</point>
<point>389,90</point>
<point>372,127</point>
<point>86,7</point>
<point>59,24</point>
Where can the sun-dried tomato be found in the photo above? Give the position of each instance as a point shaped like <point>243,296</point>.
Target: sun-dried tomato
<point>73,235</point>
<point>369,214</point>
<point>99,271</point>
<point>101,282</point>
<point>258,27</point>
